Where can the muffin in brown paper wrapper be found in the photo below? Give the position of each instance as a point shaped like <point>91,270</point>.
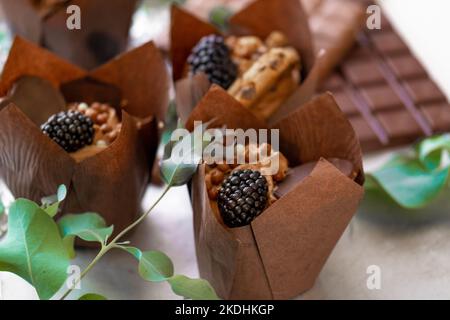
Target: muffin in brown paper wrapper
<point>260,18</point>
<point>281,253</point>
<point>45,22</point>
<point>334,24</point>
<point>111,182</point>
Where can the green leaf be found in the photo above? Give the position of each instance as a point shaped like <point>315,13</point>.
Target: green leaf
<point>87,226</point>
<point>154,266</point>
<point>416,179</point>
<point>431,150</point>
<point>92,296</point>
<point>52,209</point>
<point>34,249</point>
<point>195,289</point>
<point>408,182</point>
<point>171,122</point>
<point>181,158</point>
<point>219,16</point>
<point>61,193</point>
<point>51,204</point>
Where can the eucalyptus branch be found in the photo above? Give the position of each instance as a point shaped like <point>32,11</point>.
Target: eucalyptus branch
<point>59,239</point>
<point>101,253</point>
<point>113,243</point>
<point>142,217</point>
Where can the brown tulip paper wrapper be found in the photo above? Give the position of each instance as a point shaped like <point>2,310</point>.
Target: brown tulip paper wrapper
<point>259,18</point>
<point>334,24</point>
<point>281,253</point>
<point>104,29</point>
<point>111,182</point>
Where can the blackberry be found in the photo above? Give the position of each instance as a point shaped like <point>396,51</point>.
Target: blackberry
<point>212,56</point>
<point>242,197</point>
<point>70,129</point>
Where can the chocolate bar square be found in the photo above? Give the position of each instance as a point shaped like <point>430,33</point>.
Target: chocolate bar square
<point>386,92</point>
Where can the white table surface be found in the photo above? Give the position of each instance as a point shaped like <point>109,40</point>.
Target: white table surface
<point>414,258</point>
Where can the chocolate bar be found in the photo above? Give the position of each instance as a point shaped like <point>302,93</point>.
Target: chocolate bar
<point>386,93</point>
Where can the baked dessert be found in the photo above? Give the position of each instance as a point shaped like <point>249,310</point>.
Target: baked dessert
<point>84,130</point>
<point>241,192</point>
<point>260,73</point>
<point>80,129</point>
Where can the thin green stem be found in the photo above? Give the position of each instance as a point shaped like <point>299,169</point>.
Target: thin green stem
<point>112,244</point>
<point>141,218</point>
<point>101,253</point>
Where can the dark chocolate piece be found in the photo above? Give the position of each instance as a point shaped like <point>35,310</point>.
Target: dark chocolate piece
<point>381,97</point>
<point>399,123</point>
<point>294,177</point>
<point>297,174</point>
<point>359,53</point>
<point>363,72</point>
<point>346,103</point>
<point>365,132</point>
<point>438,115</point>
<point>424,91</point>
<point>386,93</point>
<point>389,43</point>
<point>406,67</point>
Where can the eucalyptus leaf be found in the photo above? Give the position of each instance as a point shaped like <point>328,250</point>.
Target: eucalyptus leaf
<point>182,158</point>
<point>154,266</point>
<point>380,207</point>
<point>92,296</point>
<point>33,248</point>
<point>182,173</point>
<point>168,147</point>
<point>49,200</point>
<point>52,209</point>
<point>414,179</point>
<point>430,151</point>
<point>87,226</point>
<point>171,122</point>
<point>51,204</point>
<point>195,289</point>
<point>2,208</point>
<point>408,182</point>
<point>61,193</point>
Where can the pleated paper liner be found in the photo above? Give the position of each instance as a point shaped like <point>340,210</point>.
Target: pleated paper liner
<point>334,24</point>
<point>37,84</point>
<point>260,18</point>
<point>282,252</point>
<point>105,26</point>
